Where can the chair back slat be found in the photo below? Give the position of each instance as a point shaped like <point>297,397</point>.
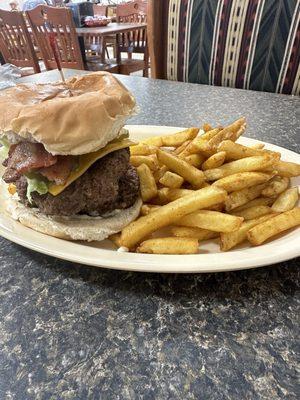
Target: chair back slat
<point>135,11</point>
<point>44,20</point>
<point>100,10</point>
<point>15,41</point>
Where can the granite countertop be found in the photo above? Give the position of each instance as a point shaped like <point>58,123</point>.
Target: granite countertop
<point>69,331</point>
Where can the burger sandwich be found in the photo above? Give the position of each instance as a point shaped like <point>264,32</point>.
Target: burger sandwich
<point>65,155</point>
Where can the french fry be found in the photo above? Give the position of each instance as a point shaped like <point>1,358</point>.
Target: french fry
<point>115,238</point>
<point>182,168</point>
<point>257,146</point>
<point>207,127</point>
<point>287,169</point>
<point>169,245</point>
<point>241,180</point>
<point>142,150</point>
<point>211,220</point>
<point>253,212</point>
<point>236,151</point>
<point>215,161</point>
<point>159,173</point>
<point>210,134</point>
<point>153,141</point>
<point>232,132</point>
<point>232,239</point>
<point>170,213</point>
<point>148,160</point>
<point>194,159</point>
<point>261,201</point>
<point>276,186</point>
<point>278,224</point>
<point>287,200</point>
<point>181,148</point>
<point>177,139</point>
<point>249,164</point>
<point>199,145</point>
<point>241,197</point>
<point>148,186</point>
<point>148,208</point>
<point>171,180</point>
<point>198,233</point>
<point>169,194</point>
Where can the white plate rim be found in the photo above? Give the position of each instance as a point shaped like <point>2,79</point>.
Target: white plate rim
<point>201,263</point>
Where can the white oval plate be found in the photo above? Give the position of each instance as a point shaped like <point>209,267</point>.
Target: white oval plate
<point>210,259</point>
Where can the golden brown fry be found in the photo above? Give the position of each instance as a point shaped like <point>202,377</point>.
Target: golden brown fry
<point>182,168</point>
<point>207,127</point>
<point>249,164</point>
<point>276,186</point>
<point>239,181</point>
<point>178,138</point>
<point>261,201</point>
<point>287,169</point>
<point>169,194</point>
<point>153,141</point>
<point>142,150</point>
<point>232,239</point>
<point>148,186</point>
<point>170,213</point>
<point>115,238</point>
<point>159,173</point>
<point>201,146</point>
<point>215,161</point>
<point>148,208</point>
<point>287,200</point>
<point>253,212</point>
<point>232,132</point>
<point>211,220</point>
<point>171,180</point>
<point>198,233</point>
<point>181,148</point>
<point>169,245</point>
<point>257,146</point>
<point>278,224</point>
<point>210,134</point>
<point>195,159</point>
<point>236,151</point>
<point>148,160</point>
<point>241,197</point>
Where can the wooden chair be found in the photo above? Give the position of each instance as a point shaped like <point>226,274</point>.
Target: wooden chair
<point>217,44</point>
<point>15,42</point>
<point>100,10</point>
<point>45,19</point>
<point>134,41</point>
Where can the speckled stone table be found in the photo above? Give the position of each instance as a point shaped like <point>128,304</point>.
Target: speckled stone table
<point>73,332</point>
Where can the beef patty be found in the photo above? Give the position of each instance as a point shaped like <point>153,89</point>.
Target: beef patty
<point>109,184</point>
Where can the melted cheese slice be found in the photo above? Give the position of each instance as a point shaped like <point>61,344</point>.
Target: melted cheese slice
<point>86,160</point>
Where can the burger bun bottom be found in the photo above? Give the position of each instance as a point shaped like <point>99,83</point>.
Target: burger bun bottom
<point>80,227</point>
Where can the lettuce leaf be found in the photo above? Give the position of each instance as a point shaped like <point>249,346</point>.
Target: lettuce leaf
<point>36,183</point>
<point>4,149</point>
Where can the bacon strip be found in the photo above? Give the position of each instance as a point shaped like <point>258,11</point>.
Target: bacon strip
<point>60,171</point>
<point>24,157</point>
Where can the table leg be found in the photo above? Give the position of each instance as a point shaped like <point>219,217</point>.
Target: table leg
<point>118,52</point>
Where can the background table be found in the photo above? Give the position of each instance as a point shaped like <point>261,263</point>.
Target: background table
<point>70,331</point>
<point>111,29</point>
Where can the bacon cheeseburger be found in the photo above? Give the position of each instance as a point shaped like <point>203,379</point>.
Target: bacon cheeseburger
<point>67,157</point>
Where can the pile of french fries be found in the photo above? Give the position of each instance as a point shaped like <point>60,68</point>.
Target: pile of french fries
<point>199,184</point>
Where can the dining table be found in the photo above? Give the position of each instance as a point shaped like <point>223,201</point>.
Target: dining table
<point>70,331</point>
<point>113,29</point>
